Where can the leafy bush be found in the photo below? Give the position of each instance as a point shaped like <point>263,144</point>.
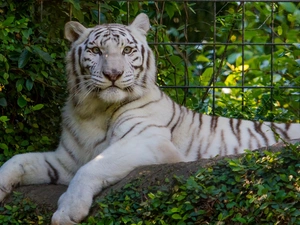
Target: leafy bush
<point>258,188</point>
<point>32,80</point>
<point>22,211</point>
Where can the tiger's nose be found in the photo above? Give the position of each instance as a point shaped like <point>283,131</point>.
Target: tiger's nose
<point>112,75</point>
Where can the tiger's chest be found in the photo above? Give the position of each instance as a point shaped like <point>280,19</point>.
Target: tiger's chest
<point>96,134</point>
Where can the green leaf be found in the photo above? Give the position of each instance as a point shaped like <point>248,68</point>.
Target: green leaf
<point>77,13</point>
<point>26,33</point>
<point>75,3</point>
<point>8,207</point>
<point>3,146</point>
<point>44,55</point>
<point>29,84</point>
<point>21,102</point>
<point>206,75</point>
<point>202,58</point>
<point>261,190</point>
<point>170,11</point>
<point>288,6</point>
<point>176,60</point>
<point>9,130</point>
<point>19,85</point>
<point>3,102</point>
<point>37,107</point>
<point>45,74</point>
<point>279,30</point>
<point>25,143</point>
<point>176,216</point>
<point>5,76</point>
<point>8,21</point>
<point>4,119</point>
<point>24,58</point>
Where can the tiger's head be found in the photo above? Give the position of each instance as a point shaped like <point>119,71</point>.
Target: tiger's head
<point>112,62</point>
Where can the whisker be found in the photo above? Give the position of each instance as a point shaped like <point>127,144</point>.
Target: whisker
<point>85,87</point>
<point>80,87</point>
<point>85,95</point>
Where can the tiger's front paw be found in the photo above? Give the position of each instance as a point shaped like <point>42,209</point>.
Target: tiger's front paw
<point>61,218</point>
<point>65,216</point>
<point>71,210</point>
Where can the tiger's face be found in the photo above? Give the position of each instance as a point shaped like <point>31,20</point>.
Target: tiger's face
<point>110,61</point>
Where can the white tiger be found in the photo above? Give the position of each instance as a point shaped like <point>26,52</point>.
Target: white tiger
<point>116,119</point>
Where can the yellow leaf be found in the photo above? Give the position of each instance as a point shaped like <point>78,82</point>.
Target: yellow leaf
<point>233,38</point>
<point>240,68</point>
<point>202,58</point>
<point>231,79</point>
<point>279,30</point>
<point>230,66</point>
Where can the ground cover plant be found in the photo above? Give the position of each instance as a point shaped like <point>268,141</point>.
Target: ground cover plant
<point>258,188</point>
<point>261,187</point>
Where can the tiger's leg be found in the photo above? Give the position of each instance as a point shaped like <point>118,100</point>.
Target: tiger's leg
<point>107,168</point>
<point>36,168</point>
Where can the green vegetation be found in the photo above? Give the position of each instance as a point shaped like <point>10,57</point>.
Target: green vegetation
<point>32,81</point>
<point>23,211</point>
<point>258,188</point>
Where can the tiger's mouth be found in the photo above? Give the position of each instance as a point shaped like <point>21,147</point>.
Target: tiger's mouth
<point>105,89</point>
<point>113,89</point>
<point>98,88</point>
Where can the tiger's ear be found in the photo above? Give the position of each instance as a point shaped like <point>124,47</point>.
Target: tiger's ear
<point>73,30</point>
<point>141,22</point>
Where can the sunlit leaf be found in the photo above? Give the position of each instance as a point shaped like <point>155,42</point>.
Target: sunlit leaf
<point>288,6</point>
<point>38,107</point>
<point>207,74</point>
<point>242,68</point>
<point>202,58</point>
<point>279,30</point>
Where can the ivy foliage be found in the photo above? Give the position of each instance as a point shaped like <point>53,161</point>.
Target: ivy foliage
<point>32,82</point>
<point>258,188</point>
<point>23,211</point>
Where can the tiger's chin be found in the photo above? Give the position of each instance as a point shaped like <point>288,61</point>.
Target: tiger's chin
<point>113,95</point>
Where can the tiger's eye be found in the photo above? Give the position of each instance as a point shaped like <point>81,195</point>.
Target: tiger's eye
<point>96,50</point>
<point>127,50</point>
